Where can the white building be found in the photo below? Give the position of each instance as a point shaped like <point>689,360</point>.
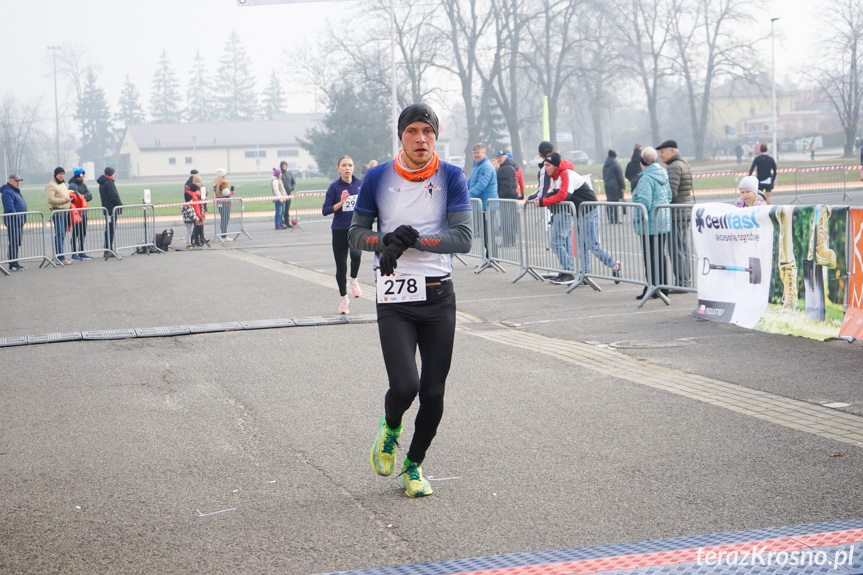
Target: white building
<point>172,150</point>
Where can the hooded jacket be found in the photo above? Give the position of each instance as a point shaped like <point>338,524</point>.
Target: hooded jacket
<point>108,194</point>
<point>612,175</point>
<point>652,190</point>
<point>567,185</point>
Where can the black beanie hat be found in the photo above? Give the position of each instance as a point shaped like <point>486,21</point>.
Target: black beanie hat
<point>612,154</point>
<point>421,112</point>
<point>109,171</point>
<point>545,147</point>
<point>194,187</point>
<point>59,170</point>
<point>553,159</point>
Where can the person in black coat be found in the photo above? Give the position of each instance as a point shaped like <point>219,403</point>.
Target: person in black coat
<point>633,168</point>
<point>612,176</point>
<point>507,189</point>
<point>110,200</point>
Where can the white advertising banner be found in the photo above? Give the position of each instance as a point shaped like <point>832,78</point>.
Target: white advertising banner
<point>735,259</point>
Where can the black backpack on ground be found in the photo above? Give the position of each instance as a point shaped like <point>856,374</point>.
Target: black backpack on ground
<point>164,239</point>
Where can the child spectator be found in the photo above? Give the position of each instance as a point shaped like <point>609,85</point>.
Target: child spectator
<point>190,215</point>
<point>76,222</point>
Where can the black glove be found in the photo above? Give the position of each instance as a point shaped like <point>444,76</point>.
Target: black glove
<point>404,235</point>
<point>389,258</point>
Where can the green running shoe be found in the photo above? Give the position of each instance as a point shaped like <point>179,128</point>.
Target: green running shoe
<point>383,454</point>
<point>413,481</point>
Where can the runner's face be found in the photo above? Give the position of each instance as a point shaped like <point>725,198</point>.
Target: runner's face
<point>418,142</point>
<point>346,169</point>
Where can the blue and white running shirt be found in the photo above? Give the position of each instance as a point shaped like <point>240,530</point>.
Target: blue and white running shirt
<point>395,201</point>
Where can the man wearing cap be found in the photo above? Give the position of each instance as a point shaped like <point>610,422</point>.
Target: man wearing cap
<point>79,229</point>
<point>765,168</point>
<point>110,200</point>
<point>423,215</point>
<point>13,202</point>
<point>58,199</point>
<point>680,180</point>
<point>482,183</point>
<point>507,188</point>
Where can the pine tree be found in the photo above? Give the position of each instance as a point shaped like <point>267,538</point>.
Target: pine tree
<point>130,111</point>
<point>165,95</point>
<point>199,93</point>
<point>235,85</point>
<point>357,121</point>
<point>273,97</point>
<point>95,118</point>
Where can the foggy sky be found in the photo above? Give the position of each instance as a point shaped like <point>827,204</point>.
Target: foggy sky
<point>127,37</point>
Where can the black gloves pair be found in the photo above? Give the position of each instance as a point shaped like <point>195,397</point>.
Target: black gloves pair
<point>396,243</point>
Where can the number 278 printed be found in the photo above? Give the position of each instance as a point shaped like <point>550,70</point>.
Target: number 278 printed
<point>397,286</point>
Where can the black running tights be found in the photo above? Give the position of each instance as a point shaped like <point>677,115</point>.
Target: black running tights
<point>340,253</point>
<point>430,326</point>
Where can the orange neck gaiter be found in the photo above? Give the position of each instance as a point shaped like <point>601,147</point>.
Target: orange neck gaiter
<point>423,173</point>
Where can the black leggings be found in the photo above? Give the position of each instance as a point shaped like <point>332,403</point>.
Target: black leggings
<point>402,328</point>
<point>340,253</point>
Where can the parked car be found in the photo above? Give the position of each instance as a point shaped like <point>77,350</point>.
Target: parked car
<point>577,157</point>
<point>312,171</point>
<point>456,161</point>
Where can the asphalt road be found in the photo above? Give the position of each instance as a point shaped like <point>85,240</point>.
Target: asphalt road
<point>247,451</point>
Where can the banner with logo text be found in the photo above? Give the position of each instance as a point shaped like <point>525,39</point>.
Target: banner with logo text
<point>779,269</point>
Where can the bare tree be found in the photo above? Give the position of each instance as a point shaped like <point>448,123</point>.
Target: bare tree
<point>18,128</point>
<point>554,35</point>
<point>840,77</point>
<point>709,42</point>
<point>467,22</point>
<point>597,69</point>
<point>510,19</point>
<point>645,31</point>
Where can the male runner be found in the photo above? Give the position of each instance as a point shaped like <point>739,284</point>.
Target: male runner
<point>423,216</point>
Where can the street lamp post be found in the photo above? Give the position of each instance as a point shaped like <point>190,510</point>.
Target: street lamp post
<point>773,74</point>
<point>54,50</point>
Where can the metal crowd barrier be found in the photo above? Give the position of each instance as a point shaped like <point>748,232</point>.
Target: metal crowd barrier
<point>549,241</point>
<point>89,236</point>
<point>603,243</point>
<point>134,227</point>
<point>723,186</point>
<point>819,180</point>
<point>674,256</point>
<point>22,238</point>
<point>503,222</point>
<point>305,208</point>
<point>228,219</point>
<point>479,240</point>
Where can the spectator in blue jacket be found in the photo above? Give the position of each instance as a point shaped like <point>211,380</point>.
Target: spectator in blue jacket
<point>13,202</point>
<point>482,183</point>
<point>653,189</point>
